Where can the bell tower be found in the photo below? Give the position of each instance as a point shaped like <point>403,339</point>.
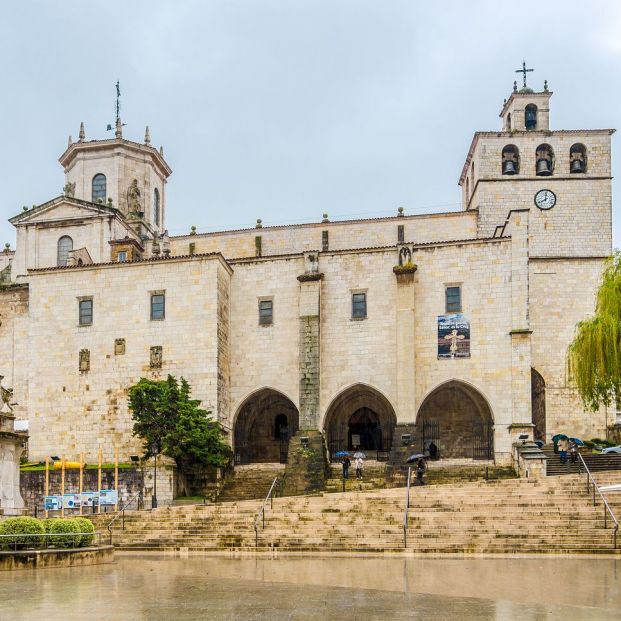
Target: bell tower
<point>130,176</point>
<point>562,176</point>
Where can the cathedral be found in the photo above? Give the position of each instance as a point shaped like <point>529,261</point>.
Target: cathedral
<point>445,327</point>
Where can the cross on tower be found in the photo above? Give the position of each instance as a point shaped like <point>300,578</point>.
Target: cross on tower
<point>523,71</point>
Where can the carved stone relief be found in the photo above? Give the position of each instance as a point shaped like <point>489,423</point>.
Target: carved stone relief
<point>85,360</point>
<point>156,357</point>
<point>119,347</point>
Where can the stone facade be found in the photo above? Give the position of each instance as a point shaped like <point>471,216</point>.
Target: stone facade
<point>312,362</point>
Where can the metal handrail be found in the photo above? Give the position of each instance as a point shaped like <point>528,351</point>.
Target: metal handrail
<point>607,509</point>
<point>261,513</point>
<point>407,510</point>
<point>121,513</point>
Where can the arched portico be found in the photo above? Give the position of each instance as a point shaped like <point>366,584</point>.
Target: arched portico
<point>458,419</point>
<point>359,417</point>
<point>263,425</point>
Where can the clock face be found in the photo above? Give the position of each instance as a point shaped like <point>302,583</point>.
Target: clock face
<point>545,199</point>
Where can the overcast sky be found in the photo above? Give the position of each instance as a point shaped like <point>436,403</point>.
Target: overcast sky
<point>285,109</point>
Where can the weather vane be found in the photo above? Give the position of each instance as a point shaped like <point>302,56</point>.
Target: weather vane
<point>523,71</point>
<point>117,107</point>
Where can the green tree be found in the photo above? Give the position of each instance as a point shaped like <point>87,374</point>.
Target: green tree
<point>165,415</point>
<point>594,356</point>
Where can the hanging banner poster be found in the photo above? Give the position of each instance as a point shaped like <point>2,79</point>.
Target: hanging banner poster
<point>453,336</point>
<point>108,497</point>
<point>71,501</point>
<point>53,503</point>
<point>90,499</point>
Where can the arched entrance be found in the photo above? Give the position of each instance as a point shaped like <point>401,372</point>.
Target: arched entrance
<point>264,423</point>
<point>458,419</point>
<point>538,397</point>
<point>360,418</point>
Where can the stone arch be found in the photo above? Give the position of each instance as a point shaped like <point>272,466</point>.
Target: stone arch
<point>258,416</point>
<point>538,404</point>
<point>510,160</point>
<point>457,417</point>
<point>530,116</point>
<point>360,416</point>
<point>577,158</point>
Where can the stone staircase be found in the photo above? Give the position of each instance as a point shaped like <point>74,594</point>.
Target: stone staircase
<point>373,477</point>
<point>250,482</point>
<point>549,515</point>
<point>595,462</point>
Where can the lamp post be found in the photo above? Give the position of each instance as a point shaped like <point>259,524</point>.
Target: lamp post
<point>155,449</point>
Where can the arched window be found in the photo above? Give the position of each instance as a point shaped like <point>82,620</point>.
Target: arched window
<point>544,157</point>
<point>99,188</point>
<point>577,158</point>
<point>508,128</point>
<point>65,245</point>
<point>510,160</point>
<point>530,116</point>
<point>156,207</point>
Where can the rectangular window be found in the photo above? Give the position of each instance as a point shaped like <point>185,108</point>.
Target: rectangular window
<point>122,256</point>
<point>266,312</point>
<point>86,312</point>
<point>359,305</point>
<point>400,233</point>
<point>453,299</point>
<point>158,306</point>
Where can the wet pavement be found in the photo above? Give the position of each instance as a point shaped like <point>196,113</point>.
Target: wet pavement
<point>175,589</point>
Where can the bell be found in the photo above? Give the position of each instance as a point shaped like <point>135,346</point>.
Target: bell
<point>577,166</point>
<point>508,167</point>
<point>543,168</point>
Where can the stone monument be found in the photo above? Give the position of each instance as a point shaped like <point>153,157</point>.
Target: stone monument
<point>11,448</point>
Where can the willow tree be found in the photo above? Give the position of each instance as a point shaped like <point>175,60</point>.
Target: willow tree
<point>594,356</point>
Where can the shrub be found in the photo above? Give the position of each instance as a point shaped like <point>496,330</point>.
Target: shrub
<point>26,531</point>
<point>64,531</point>
<point>85,526</point>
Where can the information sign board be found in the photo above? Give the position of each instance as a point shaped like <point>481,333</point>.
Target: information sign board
<point>108,497</point>
<point>53,503</point>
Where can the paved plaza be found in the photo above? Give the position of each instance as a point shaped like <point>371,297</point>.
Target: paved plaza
<point>166,588</point>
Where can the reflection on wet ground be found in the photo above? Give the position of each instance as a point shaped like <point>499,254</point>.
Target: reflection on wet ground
<point>174,589</point>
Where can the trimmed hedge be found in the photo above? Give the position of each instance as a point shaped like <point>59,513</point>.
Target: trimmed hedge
<point>85,526</point>
<point>19,526</point>
<point>64,530</point>
<point>64,533</point>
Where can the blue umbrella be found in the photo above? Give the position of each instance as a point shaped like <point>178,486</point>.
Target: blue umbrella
<point>341,453</point>
<point>577,441</point>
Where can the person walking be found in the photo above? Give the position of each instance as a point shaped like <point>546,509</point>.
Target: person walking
<point>346,464</point>
<point>421,468</point>
<point>562,447</point>
<point>573,453</point>
<point>359,467</point>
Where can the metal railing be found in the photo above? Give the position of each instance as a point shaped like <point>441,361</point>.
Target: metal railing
<point>607,510</point>
<point>41,541</point>
<point>261,514</point>
<point>407,509</point>
<point>121,513</point>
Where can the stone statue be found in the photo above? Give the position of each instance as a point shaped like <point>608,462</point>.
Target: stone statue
<point>6,394</point>
<point>69,189</point>
<point>134,205</point>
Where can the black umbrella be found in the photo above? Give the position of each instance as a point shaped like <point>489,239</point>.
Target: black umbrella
<point>412,458</point>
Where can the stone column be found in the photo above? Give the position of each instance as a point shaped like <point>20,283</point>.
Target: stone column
<point>405,350</point>
<point>310,355</point>
<point>521,414</point>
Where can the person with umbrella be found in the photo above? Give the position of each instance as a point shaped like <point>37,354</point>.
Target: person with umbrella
<point>563,445</point>
<point>359,456</point>
<point>346,464</point>
<point>421,468</point>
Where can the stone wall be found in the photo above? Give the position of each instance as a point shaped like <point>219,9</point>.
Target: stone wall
<point>562,292</point>
<point>278,240</point>
<point>73,410</point>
